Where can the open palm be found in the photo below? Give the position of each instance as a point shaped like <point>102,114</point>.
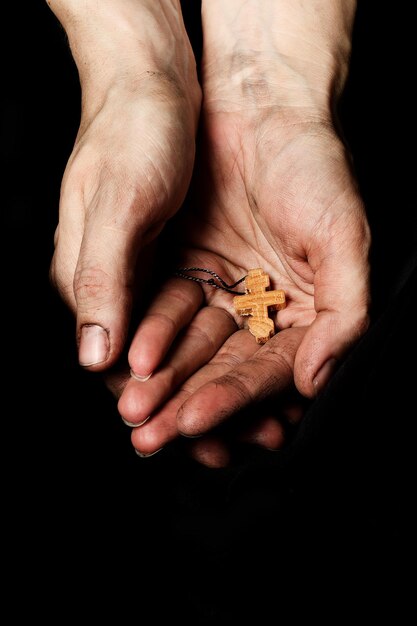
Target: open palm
<point>275,193</point>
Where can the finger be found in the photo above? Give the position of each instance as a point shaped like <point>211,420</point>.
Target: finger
<point>341,297</point>
<point>116,380</point>
<point>341,300</point>
<point>210,451</point>
<point>162,427</point>
<point>327,341</point>
<point>103,292</point>
<point>172,309</point>
<point>267,432</point>
<point>117,228</point>
<point>207,332</point>
<point>215,452</point>
<point>293,412</point>
<point>268,372</point>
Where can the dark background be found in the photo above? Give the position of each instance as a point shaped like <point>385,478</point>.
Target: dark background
<point>78,498</point>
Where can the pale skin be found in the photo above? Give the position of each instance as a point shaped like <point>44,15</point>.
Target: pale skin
<point>275,190</point>
<point>132,160</point>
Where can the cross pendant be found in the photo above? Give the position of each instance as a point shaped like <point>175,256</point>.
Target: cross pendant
<point>256,302</point>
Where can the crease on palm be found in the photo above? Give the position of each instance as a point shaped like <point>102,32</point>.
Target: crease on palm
<point>234,241</point>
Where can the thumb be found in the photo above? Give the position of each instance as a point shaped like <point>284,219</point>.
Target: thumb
<point>325,343</point>
<point>342,305</point>
<point>103,283</point>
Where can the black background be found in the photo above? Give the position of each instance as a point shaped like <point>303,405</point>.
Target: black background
<point>77,497</point>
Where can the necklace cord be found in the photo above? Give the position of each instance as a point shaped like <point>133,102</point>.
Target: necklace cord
<point>183,272</point>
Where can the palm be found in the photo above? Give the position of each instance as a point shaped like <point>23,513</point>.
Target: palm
<point>266,204</point>
<point>279,196</point>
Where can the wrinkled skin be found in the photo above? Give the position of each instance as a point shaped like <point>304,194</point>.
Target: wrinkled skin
<point>275,191</point>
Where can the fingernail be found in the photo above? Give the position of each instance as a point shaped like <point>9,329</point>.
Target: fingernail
<point>141,379</point>
<point>135,425</point>
<point>94,345</point>
<point>324,375</point>
<point>146,456</point>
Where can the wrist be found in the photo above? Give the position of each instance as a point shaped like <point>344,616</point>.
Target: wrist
<point>263,53</point>
<point>123,43</point>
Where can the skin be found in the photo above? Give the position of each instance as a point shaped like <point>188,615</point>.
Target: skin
<point>273,189</point>
<point>220,239</point>
<point>127,175</point>
<point>277,156</point>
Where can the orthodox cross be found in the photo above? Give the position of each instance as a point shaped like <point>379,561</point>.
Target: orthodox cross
<point>256,302</point>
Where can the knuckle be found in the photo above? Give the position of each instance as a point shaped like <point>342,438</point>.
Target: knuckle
<point>239,385</point>
<point>92,283</point>
<point>281,353</point>
<point>275,378</point>
<point>181,296</point>
<point>201,336</point>
<point>165,320</point>
<point>226,359</point>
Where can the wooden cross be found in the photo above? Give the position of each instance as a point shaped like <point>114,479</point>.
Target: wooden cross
<point>256,302</point>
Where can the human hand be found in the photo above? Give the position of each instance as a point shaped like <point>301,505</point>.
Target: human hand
<point>269,425</point>
<point>132,160</point>
<point>273,72</point>
<point>230,242</point>
<point>279,195</point>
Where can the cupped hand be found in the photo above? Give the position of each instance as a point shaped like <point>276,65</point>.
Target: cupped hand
<point>275,191</point>
<point>229,385</point>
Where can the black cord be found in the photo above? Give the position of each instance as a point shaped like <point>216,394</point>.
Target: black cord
<point>181,272</point>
